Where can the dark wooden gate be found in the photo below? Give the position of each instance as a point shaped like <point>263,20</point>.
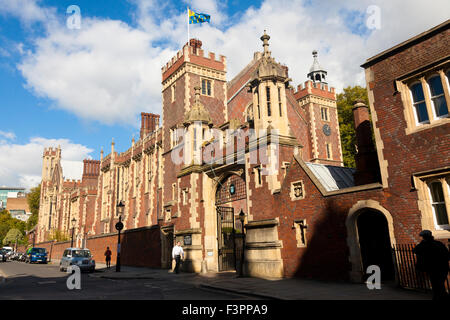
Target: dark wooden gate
<point>226,235</point>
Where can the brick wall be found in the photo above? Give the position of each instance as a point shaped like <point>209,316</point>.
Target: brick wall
<point>139,247</point>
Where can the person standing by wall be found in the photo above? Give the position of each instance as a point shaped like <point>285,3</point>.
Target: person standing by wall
<point>432,258</point>
<point>108,254</point>
<point>177,254</point>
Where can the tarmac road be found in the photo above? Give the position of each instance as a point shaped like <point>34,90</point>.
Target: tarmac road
<point>46,282</point>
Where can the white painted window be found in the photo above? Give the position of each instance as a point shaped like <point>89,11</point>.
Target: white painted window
<point>206,87</point>
<point>437,95</point>
<point>438,203</point>
<point>419,105</point>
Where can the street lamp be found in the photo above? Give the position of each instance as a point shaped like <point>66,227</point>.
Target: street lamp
<point>119,226</point>
<point>242,218</point>
<point>73,229</point>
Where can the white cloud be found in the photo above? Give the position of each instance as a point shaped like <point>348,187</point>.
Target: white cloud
<point>7,135</point>
<point>28,11</point>
<point>106,71</point>
<point>109,71</point>
<point>21,164</point>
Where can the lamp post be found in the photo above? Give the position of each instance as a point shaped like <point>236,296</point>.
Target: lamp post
<point>242,219</point>
<point>119,226</point>
<point>73,229</point>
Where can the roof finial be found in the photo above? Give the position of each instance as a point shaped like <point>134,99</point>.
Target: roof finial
<point>197,94</point>
<point>265,39</point>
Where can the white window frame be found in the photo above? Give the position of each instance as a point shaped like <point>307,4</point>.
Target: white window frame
<point>433,107</point>
<point>414,109</point>
<point>444,184</point>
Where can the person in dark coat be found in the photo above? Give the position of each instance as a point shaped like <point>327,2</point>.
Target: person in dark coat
<point>432,258</point>
<point>108,254</point>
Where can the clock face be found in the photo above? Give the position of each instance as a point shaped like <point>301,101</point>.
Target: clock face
<point>326,129</point>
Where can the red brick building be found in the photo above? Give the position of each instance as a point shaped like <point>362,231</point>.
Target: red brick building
<point>255,146</point>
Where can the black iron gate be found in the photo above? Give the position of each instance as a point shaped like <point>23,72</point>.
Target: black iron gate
<point>226,235</point>
<point>408,275</point>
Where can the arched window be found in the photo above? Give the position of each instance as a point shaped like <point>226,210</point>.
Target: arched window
<point>419,103</point>
<point>317,77</point>
<point>438,203</point>
<point>437,96</point>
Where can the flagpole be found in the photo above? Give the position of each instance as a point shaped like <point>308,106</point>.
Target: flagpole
<point>188,24</point>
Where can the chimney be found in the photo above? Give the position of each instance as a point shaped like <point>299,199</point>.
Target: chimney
<point>149,123</point>
<point>91,171</point>
<point>367,167</point>
<point>195,44</point>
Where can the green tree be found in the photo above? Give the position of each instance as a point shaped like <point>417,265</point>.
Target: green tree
<point>58,235</point>
<point>33,199</point>
<point>7,223</point>
<point>12,236</point>
<point>345,102</point>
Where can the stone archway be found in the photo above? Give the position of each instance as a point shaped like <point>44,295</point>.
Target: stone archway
<point>230,199</point>
<point>357,261</point>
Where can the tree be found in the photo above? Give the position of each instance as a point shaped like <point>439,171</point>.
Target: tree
<point>33,199</point>
<point>7,223</point>
<point>345,102</point>
<point>58,235</point>
<point>12,236</point>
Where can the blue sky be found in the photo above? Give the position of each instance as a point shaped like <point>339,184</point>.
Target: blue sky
<point>80,88</point>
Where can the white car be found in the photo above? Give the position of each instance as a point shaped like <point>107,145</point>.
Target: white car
<point>8,251</point>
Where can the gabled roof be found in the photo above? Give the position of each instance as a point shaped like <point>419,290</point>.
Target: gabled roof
<point>332,180</point>
<point>332,177</point>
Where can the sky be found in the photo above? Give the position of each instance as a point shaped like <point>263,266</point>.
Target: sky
<point>78,83</point>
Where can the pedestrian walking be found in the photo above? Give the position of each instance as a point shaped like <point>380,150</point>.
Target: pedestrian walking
<point>108,254</point>
<point>177,254</point>
<point>432,258</point>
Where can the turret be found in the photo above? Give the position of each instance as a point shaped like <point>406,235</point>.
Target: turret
<point>268,85</point>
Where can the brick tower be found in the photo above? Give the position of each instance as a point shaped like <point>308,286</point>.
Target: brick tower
<point>318,101</point>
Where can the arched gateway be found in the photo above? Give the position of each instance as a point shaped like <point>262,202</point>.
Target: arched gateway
<point>231,198</point>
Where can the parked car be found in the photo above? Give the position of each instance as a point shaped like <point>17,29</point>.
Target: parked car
<point>22,257</point>
<point>79,257</point>
<point>36,255</point>
<point>2,255</point>
<point>8,251</point>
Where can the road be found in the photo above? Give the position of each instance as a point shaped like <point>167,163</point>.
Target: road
<point>45,281</point>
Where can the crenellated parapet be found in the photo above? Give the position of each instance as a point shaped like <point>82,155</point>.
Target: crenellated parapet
<point>195,55</point>
<point>315,88</point>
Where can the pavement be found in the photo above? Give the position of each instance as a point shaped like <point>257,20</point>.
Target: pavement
<point>278,289</point>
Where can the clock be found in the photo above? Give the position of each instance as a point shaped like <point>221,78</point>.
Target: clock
<point>326,129</point>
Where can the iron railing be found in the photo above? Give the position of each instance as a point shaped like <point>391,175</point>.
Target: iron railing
<point>408,275</point>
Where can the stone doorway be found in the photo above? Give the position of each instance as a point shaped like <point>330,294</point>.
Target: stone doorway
<point>167,240</point>
<point>231,198</point>
<point>375,243</point>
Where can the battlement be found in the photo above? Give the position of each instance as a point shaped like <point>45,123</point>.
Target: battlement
<point>194,54</point>
<point>71,183</point>
<point>314,88</point>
